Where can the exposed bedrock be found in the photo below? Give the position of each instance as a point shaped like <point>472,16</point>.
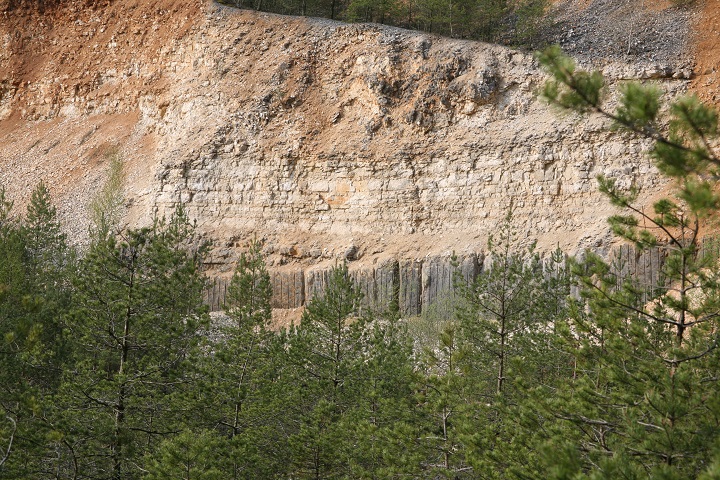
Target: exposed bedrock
<point>416,285</point>
<point>385,148</point>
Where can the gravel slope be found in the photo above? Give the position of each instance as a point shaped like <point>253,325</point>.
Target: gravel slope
<point>646,31</point>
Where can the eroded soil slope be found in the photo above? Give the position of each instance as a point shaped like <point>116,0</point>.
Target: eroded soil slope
<point>706,39</point>
<point>73,77</point>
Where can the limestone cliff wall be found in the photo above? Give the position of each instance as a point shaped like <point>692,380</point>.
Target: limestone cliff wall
<point>329,141</point>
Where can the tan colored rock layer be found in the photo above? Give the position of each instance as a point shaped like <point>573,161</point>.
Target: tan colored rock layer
<point>327,140</point>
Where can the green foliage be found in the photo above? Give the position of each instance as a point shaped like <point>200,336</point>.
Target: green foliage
<point>137,312</point>
<point>509,309</point>
<point>250,291</point>
<point>383,423</point>
<point>508,338</point>
<point>326,350</point>
<point>640,106</point>
<point>426,328</point>
<point>517,23</point>
<point>11,269</point>
<point>379,11</point>
<point>105,373</point>
<point>713,470</point>
<point>5,207</point>
<point>329,334</point>
<point>638,403</point>
<point>34,297</point>
<point>187,456</point>
<point>348,389</point>
<point>237,379</point>
<point>684,152</point>
<point>446,400</point>
<point>568,88</point>
<point>44,242</point>
<point>532,16</point>
<point>8,429</point>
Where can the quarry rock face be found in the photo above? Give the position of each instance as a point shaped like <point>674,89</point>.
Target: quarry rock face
<point>330,142</point>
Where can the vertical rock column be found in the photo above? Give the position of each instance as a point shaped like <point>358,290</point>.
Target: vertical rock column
<point>379,285</point>
<point>364,278</point>
<point>439,275</point>
<point>643,266</point>
<point>288,289</point>
<point>215,294</point>
<point>648,269</point>
<point>410,273</point>
<point>387,284</point>
<point>316,281</point>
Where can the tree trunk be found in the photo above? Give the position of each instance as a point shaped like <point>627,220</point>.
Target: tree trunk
<point>120,407</point>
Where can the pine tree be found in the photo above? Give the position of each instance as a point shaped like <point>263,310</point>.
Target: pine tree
<point>500,307</point>
<point>326,350</point>
<point>239,372</point>
<point>48,264</point>
<point>135,322</point>
<point>382,427</point>
<point>11,377</point>
<point>642,403</point>
<point>187,456</point>
<point>447,402</point>
<point>246,338</point>
<point>506,329</point>
<point>34,297</point>
<point>44,241</point>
